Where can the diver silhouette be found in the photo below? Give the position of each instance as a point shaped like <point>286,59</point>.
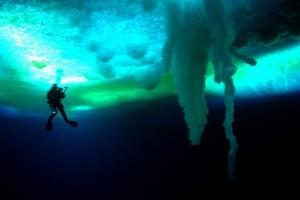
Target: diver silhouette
<point>55,95</point>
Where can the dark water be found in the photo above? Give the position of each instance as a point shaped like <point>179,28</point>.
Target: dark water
<point>140,151</point>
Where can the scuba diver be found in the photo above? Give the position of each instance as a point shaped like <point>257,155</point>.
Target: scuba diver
<point>55,95</point>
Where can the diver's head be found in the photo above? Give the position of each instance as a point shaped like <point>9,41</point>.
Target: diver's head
<point>54,86</point>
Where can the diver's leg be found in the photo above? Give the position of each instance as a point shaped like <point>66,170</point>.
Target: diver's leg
<point>51,117</point>
<point>60,107</point>
<point>49,126</point>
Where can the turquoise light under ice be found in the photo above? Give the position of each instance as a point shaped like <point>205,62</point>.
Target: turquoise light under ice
<point>108,58</point>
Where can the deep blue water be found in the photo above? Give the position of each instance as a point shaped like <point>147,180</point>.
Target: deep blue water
<point>141,151</point>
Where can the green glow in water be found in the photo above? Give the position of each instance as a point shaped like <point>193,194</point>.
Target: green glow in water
<point>33,51</point>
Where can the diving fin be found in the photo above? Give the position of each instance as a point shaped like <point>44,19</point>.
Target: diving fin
<point>73,123</point>
<point>48,126</point>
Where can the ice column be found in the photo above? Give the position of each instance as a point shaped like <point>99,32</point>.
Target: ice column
<point>187,49</point>
<point>193,33</point>
<point>224,69</point>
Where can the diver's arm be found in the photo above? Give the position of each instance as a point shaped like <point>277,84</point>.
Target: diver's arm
<point>65,89</point>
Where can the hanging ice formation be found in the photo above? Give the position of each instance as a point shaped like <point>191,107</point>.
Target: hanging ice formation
<point>186,49</point>
<point>197,32</point>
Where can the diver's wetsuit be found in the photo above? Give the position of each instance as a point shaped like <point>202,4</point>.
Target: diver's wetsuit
<point>55,95</point>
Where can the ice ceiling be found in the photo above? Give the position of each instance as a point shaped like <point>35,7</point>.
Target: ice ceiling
<point>113,51</point>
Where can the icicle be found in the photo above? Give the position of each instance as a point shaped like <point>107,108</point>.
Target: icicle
<point>224,70</point>
<point>189,37</point>
<point>189,42</point>
<point>229,94</point>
